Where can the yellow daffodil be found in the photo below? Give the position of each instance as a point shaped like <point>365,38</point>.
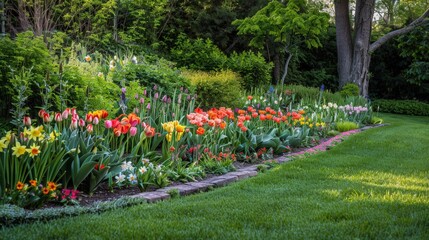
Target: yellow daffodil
<point>36,133</point>
<point>53,135</point>
<point>18,150</point>
<point>3,144</point>
<point>8,137</point>
<point>33,150</point>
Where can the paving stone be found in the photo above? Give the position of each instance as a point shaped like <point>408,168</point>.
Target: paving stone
<point>222,180</point>
<point>201,186</point>
<point>152,197</point>
<point>243,174</point>
<point>283,159</point>
<point>183,189</point>
<point>247,169</point>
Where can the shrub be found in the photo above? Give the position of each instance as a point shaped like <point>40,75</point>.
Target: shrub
<point>26,51</point>
<point>147,74</point>
<point>349,90</point>
<point>345,126</point>
<point>198,54</point>
<point>408,107</point>
<point>253,69</point>
<point>216,89</point>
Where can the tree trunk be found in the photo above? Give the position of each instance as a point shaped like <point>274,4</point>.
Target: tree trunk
<point>354,60</point>
<point>361,58</point>
<point>276,71</point>
<point>344,40</point>
<point>286,68</point>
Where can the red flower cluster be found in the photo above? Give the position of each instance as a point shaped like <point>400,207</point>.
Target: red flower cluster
<point>124,125</point>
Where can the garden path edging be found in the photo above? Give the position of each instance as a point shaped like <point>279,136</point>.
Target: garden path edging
<point>241,173</point>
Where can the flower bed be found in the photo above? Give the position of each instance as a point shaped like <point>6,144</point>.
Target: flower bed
<point>164,140</point>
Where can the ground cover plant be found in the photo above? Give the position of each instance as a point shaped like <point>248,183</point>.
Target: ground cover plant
<point>358,189</point>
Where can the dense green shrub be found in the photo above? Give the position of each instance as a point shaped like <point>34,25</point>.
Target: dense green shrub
<point>162,73</point>
<point>253,69</point>
<point>216,89</point>
<point>408,107</point>
<point>198,54</point>
<point>350,90</point>
<point>26,51</point>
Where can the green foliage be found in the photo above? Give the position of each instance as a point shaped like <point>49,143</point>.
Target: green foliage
<point>26,51</point>
<point>408,107</point>
<point>198,54</point>
<point>253,69</point>
<point>350,90</point>
<point>283,27</point>
<point>162,74</point>
<point>217,89</point>
<point>376,120</point>
<point>212,165</point>
<point>12,214</point>
<point>345,126</point>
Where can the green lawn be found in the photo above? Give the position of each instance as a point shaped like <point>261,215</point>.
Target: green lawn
<point>375,185</point>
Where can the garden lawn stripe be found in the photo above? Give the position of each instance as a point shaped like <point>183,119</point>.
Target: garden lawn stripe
<point>374,185</point>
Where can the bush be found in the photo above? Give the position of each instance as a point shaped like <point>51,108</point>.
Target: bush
<point>408,107</point>
<point>198,54</point>
<point>253,69</point>
<point>345,126</point>
<point>350,90</point>
<point>161,73</point>
<point>217,89</point>
<point>26,51</point>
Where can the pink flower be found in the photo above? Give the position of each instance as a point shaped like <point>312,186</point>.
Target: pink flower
<point>89,128</point>
<point>73,124</point>
<point>108,124</point>
<point>73,111</point>
<point>27,121</point>
<point>58,117</point>
<point>95,121</point>
<point>81,123</point>
<point>66,113</point>
<point>148,106</point>
<point>133,131</point>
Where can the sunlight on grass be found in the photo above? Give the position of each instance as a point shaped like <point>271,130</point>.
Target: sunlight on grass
<point>384,187</point>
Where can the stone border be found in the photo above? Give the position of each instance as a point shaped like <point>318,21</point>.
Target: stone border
<point>241,173</point>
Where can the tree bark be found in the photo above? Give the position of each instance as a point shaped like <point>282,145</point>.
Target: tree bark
<point>361,58</point>
<point>286,67</point>
<point>354,56</point>
<point>276,72</point>
<point>344,40</point>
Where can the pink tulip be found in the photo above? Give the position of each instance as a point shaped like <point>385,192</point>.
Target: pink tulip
<point>73,124</point>
<point>66,113</point>
<point>27,121</point>
<point>58,117</point>
<point>90,128</point>
<point>73,111</point>
<point>81,123</point>
<point>95,121</point>
<point>46,117</point>
<point>133,131</point>
<point>89,117</point>
<point>108,124</point>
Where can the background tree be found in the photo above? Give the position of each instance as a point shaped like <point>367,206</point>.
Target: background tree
<point>281,28</point>
<point>353,45</point>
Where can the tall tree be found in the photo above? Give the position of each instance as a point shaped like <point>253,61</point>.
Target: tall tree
<point>283,28</point>
<point>354,47</point>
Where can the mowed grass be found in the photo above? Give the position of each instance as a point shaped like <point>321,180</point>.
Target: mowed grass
<point>375,185</point>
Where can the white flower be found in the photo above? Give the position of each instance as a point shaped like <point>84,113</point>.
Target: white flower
<point>275,102</point>
<point>145,161</point>
<point>158,168</point>
<point>132,178</point>
<point>120,178</point>
<point>142,170</point>
<point>134,59</point>
<point>330,104</point>
<point>335,106</point>
<point>124,166</point>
